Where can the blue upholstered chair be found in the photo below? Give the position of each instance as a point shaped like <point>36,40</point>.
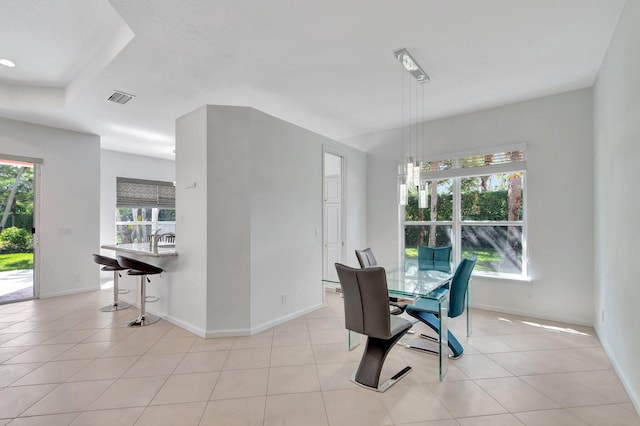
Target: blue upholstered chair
<point>437,258</point>
<point>426,310</point>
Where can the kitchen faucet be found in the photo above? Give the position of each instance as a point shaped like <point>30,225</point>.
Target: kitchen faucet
<point>153,240</point>
<point>157,238</point>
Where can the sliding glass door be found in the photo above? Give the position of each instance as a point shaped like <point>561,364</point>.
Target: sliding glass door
<point>17,229</point>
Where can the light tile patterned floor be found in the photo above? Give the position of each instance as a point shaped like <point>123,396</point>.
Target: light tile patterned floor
<point>64,362</point>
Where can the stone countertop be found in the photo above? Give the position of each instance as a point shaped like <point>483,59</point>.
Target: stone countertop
<point>143,249</point>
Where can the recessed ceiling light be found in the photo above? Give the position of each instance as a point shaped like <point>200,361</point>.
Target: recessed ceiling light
<point>7,63</point>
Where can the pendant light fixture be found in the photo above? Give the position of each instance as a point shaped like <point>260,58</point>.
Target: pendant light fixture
<point>410,169</point>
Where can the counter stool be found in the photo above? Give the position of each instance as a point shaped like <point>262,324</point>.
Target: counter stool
<point>142,269</point>
<point>111,264</point>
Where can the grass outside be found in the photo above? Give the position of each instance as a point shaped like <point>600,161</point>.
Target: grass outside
<point>13,261</point>
<point>486,259</point>
<point>486,255</point>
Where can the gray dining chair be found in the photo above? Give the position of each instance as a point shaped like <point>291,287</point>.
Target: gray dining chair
<point>366,259</point>
<point>366,312</point>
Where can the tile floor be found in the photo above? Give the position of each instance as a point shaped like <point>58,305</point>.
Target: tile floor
<point>63,362</point>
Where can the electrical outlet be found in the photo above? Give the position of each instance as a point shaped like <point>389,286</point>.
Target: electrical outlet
<point>284,298</point>
<point>602,315</point>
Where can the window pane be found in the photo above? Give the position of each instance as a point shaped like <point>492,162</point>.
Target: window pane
<point>131,233</point>
<point>167,215</point>
<point>145,214</point>
<point>442,206</point>
<point>124,215</point>
<point>425,235</point>
<point>492,197</point>
<point>167,220</point>
<point>135,225</point>
<point>498,248</point>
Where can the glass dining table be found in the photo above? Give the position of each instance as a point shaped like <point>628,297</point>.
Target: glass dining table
<point>406,284</point>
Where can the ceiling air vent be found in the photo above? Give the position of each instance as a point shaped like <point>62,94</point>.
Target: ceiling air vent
<point>120,97</point>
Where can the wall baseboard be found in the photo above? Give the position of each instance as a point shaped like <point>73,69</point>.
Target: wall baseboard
<point>182,324</point>
<point>197,330</point>
<point>532,314</point>
<point>238,332</point>
<point>66,292</point>
<point>332,287</point>
<point>633,396</point>
<point>264,326</point>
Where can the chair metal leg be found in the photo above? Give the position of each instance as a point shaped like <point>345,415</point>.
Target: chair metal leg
<point>144,318</point>
<point>421,349</point>
<point>426,336</point>
<point>434,323</point>
<point>375,352</point>
<point>116,305</point>
<point>452,343</point>
<point>468,304</point>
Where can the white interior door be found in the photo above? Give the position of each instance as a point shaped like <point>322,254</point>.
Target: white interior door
<point>332,234</point>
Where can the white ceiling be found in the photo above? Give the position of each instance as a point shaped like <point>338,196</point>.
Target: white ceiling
<point>327,66</point>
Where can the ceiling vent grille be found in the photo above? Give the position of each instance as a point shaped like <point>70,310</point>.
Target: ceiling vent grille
<point>120,97</point>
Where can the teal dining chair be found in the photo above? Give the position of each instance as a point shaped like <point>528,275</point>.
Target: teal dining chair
<point>437,258</point>
<point>427,312</point>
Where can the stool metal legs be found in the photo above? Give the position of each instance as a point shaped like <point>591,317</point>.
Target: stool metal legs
<point>144,318</point>
<point>116,305</point>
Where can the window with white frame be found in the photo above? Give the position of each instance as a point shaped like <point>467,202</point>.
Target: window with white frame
<point>476,204</point>
<point>143,206</point>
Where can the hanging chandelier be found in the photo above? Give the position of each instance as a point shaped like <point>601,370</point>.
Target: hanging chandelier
<point>411,166</point>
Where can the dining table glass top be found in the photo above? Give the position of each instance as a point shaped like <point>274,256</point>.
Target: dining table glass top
<point>412,280</point>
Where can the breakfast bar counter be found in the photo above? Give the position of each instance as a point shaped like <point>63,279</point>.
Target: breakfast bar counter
<point>161,288</point>
<point>143,249</point>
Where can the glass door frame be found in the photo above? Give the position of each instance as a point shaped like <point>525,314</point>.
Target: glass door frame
<point>36,163</point>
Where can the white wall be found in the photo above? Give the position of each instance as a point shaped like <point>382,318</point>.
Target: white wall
<point>286,216</point>
<point>286,209</point>
<point>616,206</point>
<point>190,304</point>
<point>69,202</point>
<point>260,180</point>
<point>228,219</point>
<point>558,190</point>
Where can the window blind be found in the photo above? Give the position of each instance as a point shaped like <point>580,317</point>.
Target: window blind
<point>498,160</point>
<point>131,193</point>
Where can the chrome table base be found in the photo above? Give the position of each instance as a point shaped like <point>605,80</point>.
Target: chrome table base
<point>116,306</point>
<point>142,320</point>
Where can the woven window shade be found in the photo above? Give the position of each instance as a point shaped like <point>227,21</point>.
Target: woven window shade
<point>131,193</point>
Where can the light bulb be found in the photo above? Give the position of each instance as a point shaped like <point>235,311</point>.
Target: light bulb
<point>403,194</point>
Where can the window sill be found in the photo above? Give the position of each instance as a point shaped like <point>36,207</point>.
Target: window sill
<point>507,277</point>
